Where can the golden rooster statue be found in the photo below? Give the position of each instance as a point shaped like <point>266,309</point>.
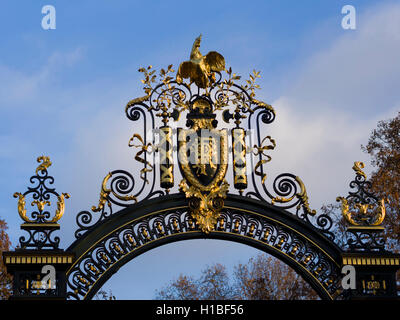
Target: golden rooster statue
<point>199,68</point>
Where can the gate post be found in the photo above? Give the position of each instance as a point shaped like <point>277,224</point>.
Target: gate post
<point>38,274</point>
<point>375,274</point>
<point>375,267</point>
<point>37,265</point>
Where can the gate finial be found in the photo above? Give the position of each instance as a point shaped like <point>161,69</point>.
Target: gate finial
<point>39,223</point>
<point>364,212</point>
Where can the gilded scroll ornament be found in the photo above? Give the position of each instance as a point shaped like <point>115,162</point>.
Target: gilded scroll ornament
<point>41,195</point>
<point>301,196</point>
<point>239,158</point>
<point>21,206</point>
<point>357,167</point>
<point>106,193</point>
<point>362,208</point>
<point>45,163</point>
<point>205,206</point>
<point>60,207</point>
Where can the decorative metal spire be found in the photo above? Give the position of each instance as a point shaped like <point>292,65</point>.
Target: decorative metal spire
<point>40,223</point>
<point>364,212</point>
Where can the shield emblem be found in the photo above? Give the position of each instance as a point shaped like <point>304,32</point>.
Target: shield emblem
<point>202,156</point>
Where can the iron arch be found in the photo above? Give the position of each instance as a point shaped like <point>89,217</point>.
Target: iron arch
<point>110,244</point>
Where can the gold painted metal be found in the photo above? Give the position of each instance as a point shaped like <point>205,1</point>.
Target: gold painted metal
<point>257,150</point>
<point>166,158</point>
<point>136,100</point>
<point>365,261</point>
<point>204,172</point>
<point>203,157</point>
<point>205,214</point>
<point>105,258</point>
<point>294,250</point>
<point>37,259</point>
<point>131,240</point>
<point>239,158</point>
<point>251,230</point>
<point>302,196</point>
<point>105,194</point>
<point>368,216</point>
<point>221,224</point>
<point>307,259</point>
<point>144,148</point>
<point>191,224</point>
<point>236,229</point>
<point>365,212</point>
<point>40,205</point>
<point>45,163</point>
<point>199,68</point>
<point>60,207</point>
<point>21,206</point>
<point>205,199</point>
<point>145,233</point>
<point>266,234</point>
<point>280,243</point>
<point>175,225</point>
<point>358,165</point>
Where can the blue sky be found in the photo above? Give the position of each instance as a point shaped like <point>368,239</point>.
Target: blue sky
<point>63,91</point>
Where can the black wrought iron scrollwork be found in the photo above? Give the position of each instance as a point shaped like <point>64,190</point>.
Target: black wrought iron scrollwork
<point>167,99</point>
<point>365,240</point>
<point>39,238</point>
<point>40,223</point>
<point>106,254</point>
<point>289,192</point>
<point>117,189</point>
<point>364,213</point>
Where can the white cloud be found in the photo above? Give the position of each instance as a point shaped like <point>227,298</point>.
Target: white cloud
<point>18,87</point>
<point>359,72</point>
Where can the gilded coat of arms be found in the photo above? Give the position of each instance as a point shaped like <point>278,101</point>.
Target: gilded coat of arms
<point>202,156</point>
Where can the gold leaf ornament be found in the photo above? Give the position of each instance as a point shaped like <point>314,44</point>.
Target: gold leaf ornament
<point>45,163</point>
<point>357,167</point>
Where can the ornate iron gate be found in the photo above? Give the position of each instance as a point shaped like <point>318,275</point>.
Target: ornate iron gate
<point>224,193</point>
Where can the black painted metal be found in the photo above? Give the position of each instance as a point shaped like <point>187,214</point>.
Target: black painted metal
<point>286,231</point>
